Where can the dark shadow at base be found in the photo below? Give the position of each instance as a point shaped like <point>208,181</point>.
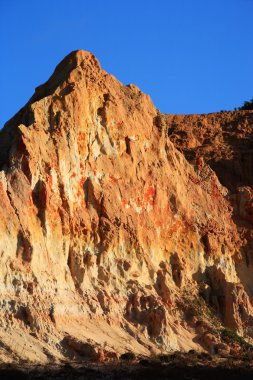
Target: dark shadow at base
<point>145,369</point>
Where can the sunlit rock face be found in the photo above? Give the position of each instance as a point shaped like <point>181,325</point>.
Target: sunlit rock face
<point>117,230</point>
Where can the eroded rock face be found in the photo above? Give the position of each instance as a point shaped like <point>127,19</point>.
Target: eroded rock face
<point>109,234</point>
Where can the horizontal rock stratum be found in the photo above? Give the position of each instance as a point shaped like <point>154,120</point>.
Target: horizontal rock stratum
<point>122,229</point>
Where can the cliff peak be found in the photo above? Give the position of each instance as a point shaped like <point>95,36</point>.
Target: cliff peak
<point>78,58</point>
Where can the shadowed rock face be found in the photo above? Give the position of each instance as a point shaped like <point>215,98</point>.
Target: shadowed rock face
<point>224,139</point>
<point>117,230</point>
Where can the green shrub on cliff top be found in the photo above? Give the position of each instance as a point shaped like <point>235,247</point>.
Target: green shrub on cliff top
<point>248,105</point>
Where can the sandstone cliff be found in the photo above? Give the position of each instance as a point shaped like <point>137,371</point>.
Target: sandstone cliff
<point>122,229</point>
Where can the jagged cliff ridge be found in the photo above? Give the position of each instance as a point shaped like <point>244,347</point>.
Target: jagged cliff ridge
<point>116,233</point>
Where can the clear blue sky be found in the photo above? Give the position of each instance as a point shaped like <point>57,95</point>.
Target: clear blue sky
<point>190,56</point>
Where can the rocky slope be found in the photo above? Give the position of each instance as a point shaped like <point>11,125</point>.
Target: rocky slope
<point>122,229</point>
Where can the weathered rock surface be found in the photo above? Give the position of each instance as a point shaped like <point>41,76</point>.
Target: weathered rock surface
<point>122,229</point>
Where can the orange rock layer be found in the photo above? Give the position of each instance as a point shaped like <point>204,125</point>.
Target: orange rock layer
<point>121,228</point>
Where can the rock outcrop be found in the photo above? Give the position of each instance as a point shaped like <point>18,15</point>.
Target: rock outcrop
<point>122,229</point>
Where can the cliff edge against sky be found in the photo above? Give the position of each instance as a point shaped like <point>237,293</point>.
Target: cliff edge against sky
<point>122,229</point>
